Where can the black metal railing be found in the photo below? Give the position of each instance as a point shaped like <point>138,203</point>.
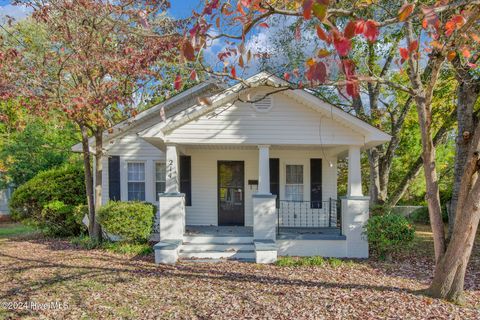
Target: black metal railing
<point>308,214</point>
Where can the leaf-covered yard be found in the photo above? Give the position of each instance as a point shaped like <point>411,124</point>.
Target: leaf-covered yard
<point>99,284</point>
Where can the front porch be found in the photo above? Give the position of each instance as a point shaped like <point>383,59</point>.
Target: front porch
<point>283,233</point>
<point>286,217</point>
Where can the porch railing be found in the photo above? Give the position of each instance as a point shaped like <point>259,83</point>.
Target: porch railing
<point>308,214</point>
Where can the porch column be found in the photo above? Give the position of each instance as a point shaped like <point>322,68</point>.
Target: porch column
<point>355,209</point>
<point>354,172</point>
<point>171,205</point>
<point>171,181</point>
<point>263,169</point>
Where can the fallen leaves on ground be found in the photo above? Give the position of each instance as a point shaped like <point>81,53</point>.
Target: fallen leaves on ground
<point>98,284</point>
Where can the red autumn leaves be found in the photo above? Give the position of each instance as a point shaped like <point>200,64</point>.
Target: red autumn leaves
<point>342,40</point>
<point>412,48</point>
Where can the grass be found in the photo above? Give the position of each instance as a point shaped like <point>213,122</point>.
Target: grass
<point>310,261</point>
<point>137,249</point>
<point>8,230</point>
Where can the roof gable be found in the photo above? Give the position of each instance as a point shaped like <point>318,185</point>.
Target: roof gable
<point>372,135</point>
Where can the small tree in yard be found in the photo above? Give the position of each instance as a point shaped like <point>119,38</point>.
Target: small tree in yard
<point>434,35</point>
<point>96,55</point>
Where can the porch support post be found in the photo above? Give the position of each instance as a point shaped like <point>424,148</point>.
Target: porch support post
<point>263,169</point>
<point>354,172</point>
<point>355,212</point>
<point>171,181</point>
<point>172,212</point>
<point>355,209</point>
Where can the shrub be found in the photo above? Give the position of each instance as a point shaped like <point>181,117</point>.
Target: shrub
<point>131,221</point>
<point>380,210</point>
<point>57,220</point>
<point>135,249</point>
<point>389,234</point>
<point>85,242</point>
<point>65,184</point>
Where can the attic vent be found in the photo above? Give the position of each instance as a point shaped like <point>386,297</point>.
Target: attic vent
<point>263,105</point>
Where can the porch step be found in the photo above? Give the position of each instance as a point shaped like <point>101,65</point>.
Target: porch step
<point>209,239</point>
<point>214,247</point>
<point>235,254</point>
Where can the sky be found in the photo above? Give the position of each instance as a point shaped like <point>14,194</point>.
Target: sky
<point>179,8</point>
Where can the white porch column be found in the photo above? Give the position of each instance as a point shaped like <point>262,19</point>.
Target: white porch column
<point>355,210</point>
<point>171,181</point>
<point>263,169</point>
<point>354,172</point>
<point>171,211</point>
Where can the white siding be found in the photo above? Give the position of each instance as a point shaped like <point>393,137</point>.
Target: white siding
<point>132,148</point>
<point>287,123</point>
<point>204,209</point>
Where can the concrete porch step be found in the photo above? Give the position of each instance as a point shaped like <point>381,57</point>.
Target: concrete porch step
<point>197,260</point>
<point>214,246</point>
<point>238,254</point>
<point>208,239</point>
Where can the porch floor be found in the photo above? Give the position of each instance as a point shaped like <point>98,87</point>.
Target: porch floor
<point>285,233</point>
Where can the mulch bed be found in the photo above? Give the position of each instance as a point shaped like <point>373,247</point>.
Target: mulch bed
<point>100,285</point>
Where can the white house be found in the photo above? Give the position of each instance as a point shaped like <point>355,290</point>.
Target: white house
<point>240,179</point>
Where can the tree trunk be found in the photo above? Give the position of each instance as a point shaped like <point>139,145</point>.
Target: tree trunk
<point>88,179</point>
<point>448,280</point>
<point>98,179</point>
<point>374,189</point>
<point>432,192</point>
<point>467,95</point>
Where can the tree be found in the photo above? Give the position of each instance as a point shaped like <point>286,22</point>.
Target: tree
<point>95,57</point>
<point>452,27</point>
<point>38,146</point>
<point>386,108</point>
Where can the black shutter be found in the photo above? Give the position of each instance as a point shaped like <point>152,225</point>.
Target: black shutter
<point>186,178</point>
<point>275,178</point>
<point>315,183</point>
<point>114,178</point>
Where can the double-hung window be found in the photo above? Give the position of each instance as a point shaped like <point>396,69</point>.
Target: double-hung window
<point>294,183</point>
<point>136,181</point>
<point>160,176</point>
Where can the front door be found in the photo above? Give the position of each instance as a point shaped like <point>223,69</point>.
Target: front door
<point>231,200</point>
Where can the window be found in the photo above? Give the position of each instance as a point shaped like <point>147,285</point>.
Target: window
<point>159,178</point>
<point>294,183</point>
<point>136,181</point>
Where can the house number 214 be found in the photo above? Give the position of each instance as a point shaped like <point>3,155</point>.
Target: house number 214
<point>171,168</point>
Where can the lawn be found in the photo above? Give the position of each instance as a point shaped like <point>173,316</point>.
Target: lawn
<point>81,284</point>
<point>15,229</point>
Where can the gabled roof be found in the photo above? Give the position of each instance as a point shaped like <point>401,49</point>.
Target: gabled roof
<point>171,107</point>
<point>178,112</point>
<point>374,136</point>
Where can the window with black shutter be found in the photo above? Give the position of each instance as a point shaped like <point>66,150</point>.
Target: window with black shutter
<point>316,183</point>
<point>186,178</point>
<point>114,178</point>
<point>275,178</point>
